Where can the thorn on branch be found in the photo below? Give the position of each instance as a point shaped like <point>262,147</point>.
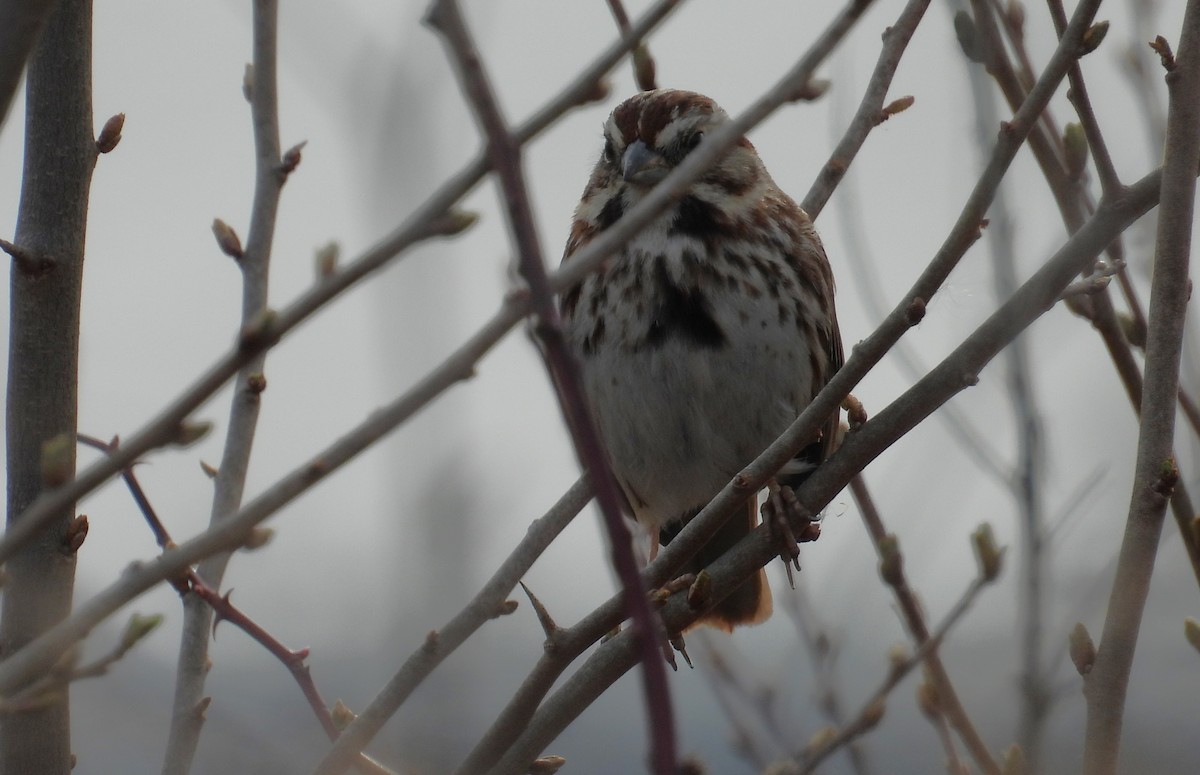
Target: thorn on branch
<point>209,470</point>
<point>1165,55</point>
<point>110,134</point>
<point>74,536</point>
<point>248,82</point>
<point>433,639</point>
<point>549,627</point>
<point>201,708</point>
<point>227,239</point>
<point>32,263</point>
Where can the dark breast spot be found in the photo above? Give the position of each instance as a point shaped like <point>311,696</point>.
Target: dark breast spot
<point>682,313</point>
<point>612,211</point>
<point>696,218</point>
<point>568,301</point>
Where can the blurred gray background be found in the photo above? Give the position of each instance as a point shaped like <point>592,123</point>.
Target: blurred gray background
<point>367,563</point>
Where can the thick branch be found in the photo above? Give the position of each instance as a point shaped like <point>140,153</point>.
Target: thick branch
<point>60,152</point>
<point>1155,475</point>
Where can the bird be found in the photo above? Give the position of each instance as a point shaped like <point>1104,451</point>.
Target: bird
<point>703,337</point>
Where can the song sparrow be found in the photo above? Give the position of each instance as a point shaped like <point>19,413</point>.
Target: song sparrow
<point>710,331</point>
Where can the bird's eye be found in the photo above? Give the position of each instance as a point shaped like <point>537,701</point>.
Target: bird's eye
<point>610,151</point>
<point>692,141</point>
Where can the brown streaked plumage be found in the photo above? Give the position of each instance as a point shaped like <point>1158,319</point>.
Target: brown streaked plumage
<point>706,336</point>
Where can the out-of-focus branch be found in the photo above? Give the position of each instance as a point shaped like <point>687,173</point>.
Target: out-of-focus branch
<point>822,651</point>
<point>504,153</point>
<point>872,711</point>
<point>436,217</point>
<point>485,606</point>
<point>190,583</point>
<point>1025,481</point>
<point>21,23</point>
<point>43,359</point>
<point>644,69</point>
<point>1155,475</point>
<point>193,664</point>
<point>1074,204</point>
<point>892,571</point>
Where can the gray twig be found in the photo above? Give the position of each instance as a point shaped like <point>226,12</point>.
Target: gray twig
<point>1155,473</point>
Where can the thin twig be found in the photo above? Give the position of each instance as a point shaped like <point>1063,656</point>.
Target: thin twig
<point>1025,483</point>
<point>192,669</point>
<point>914,621</point>
<point>504,152</point>
<point>872,710</point>
<point>1074,205</point>
<point>1106,685</point>
<point>481,609</point>
<point>191,586</point>
<point>895,41</point>
<point>644,68</point>
<point>822,652</point>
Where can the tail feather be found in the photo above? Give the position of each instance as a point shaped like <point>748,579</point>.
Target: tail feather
<point>750,602</point>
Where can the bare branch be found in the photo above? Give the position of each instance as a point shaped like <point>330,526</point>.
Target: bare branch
<point>1155,474</point>
<point>872,711</point>
<point>914,621</point>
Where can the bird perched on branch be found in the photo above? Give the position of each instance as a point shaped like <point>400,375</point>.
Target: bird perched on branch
<point>707,334</point>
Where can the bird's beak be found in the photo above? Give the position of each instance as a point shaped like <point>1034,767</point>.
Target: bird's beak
<point>641,165</point>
